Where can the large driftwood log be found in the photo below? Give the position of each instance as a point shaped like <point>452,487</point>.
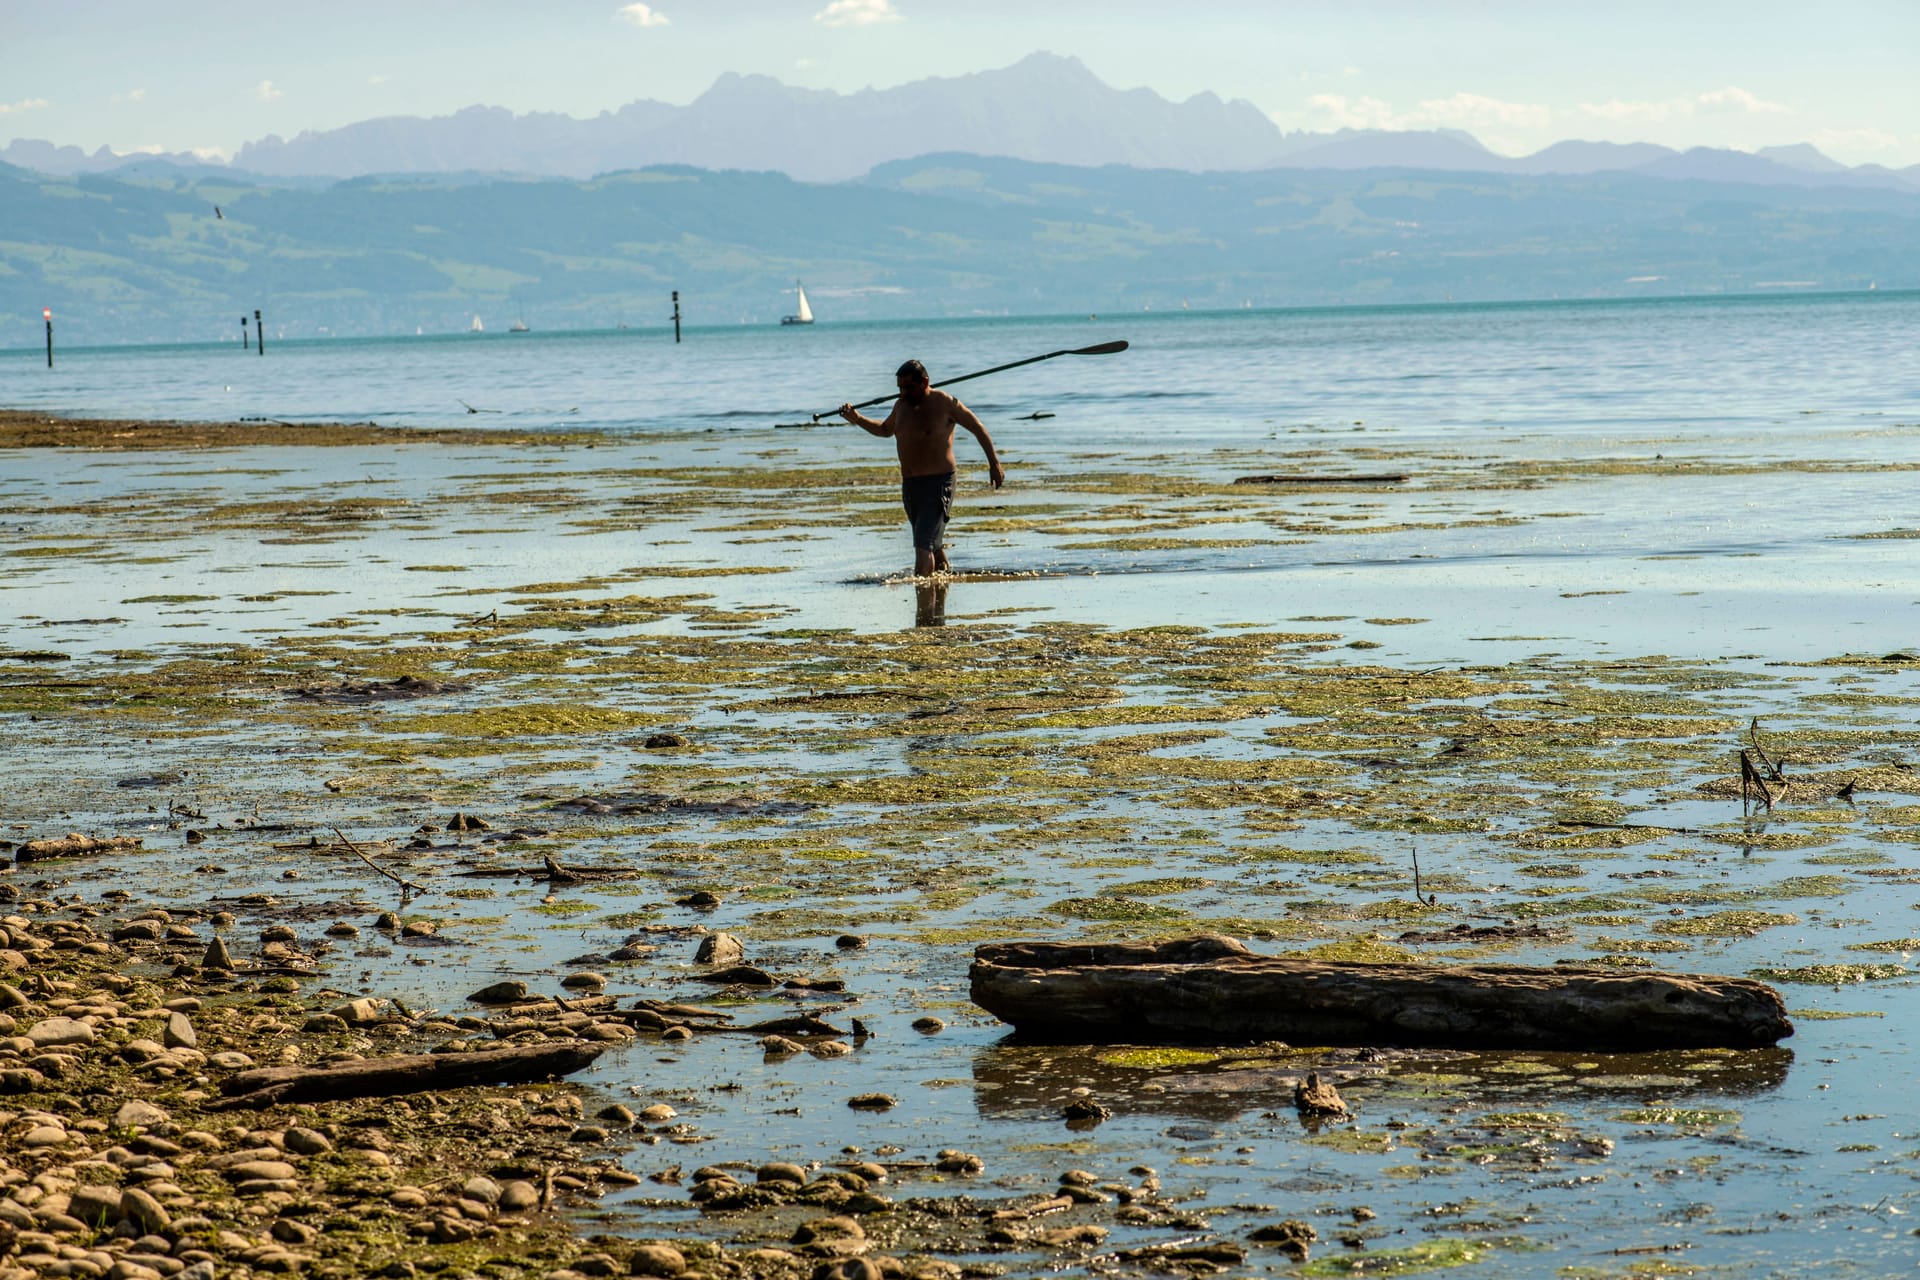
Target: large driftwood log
<point>405,1073</point>
<point>1212,988</point>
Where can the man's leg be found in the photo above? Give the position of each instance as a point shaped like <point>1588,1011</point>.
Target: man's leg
<point>940,564</point>
<point>923,558</point>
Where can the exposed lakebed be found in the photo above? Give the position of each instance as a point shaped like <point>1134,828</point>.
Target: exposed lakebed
<point>1181,704</point>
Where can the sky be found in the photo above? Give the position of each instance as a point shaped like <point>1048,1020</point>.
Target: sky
<point>207,75</point>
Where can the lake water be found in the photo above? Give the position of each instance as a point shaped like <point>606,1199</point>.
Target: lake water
<point>1705,504</point>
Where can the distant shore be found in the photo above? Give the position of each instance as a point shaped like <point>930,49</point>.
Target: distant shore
<point>22,429</point>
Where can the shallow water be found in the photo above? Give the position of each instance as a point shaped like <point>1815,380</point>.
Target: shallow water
<point>1044,765</point>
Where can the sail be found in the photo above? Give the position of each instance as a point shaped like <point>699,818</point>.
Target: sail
<point>476,326</point>
<point>804,313</point>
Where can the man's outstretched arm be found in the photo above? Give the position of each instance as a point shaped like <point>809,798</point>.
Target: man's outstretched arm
<point>964,416</point>
<point>869,425</point>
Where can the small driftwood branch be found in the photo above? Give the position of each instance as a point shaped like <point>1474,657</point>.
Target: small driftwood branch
<point>354,849</point>
<point>68,846</point>
<point>1773,765</point>
<point>1383,477</point>
<point>406,1073</point>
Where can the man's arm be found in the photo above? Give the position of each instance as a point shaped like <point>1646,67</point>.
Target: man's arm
<point>964,416</point>
<point>869,425</point>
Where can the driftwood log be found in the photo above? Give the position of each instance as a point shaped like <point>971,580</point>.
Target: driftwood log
<point>72,845</point>
<point>1211,988</point>
<point>405,1073</point>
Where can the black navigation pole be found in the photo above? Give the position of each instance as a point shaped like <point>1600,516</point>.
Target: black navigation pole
<point>676,315</point>
<point>259,331</point>
<point>46,313</point>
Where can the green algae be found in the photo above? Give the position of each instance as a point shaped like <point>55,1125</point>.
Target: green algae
<point>1428,1255</point>
<point>1724,924</point>
<point>1156,1059</point>
<point>1680,1117</point>
<point>1831,974</point>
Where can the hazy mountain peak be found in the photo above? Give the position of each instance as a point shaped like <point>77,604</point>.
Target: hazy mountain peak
<point>1802,155</point>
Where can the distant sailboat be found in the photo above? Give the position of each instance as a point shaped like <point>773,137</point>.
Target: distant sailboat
<point>803,314</point>
<point>476,326</point>
<point>518,326</point>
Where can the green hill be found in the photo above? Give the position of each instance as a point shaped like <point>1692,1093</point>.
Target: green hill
<point>142,256</point>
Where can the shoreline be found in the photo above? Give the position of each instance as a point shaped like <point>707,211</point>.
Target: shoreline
<point>26,429</point>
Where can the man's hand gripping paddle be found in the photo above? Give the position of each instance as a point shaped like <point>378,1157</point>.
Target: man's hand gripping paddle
<point>1103,349</point>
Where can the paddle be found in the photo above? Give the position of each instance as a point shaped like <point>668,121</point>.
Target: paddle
<point>1103,349</point>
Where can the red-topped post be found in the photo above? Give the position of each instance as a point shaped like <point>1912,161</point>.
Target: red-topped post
<point>46,313</point>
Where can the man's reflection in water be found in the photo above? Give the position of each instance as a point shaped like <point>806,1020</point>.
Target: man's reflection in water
<point>929,604</point>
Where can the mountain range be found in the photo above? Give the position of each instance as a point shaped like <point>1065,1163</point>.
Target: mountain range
<point>154,253</point>
<point>1044,108</point>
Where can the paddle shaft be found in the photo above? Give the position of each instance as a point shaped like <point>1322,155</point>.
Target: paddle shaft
<point>1103,349</point>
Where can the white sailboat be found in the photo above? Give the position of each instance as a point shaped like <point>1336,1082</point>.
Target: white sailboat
<point>476,326</point>
<point>803,314</point>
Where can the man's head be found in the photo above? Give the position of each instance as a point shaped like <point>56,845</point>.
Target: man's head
<point>912,380</point>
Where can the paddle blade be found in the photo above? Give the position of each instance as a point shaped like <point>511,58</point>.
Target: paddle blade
<point>1104,349</point>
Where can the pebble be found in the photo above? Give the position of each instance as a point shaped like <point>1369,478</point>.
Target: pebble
<point>776,1171</point>
<point>341,929</point>
<point>666,741</point>
<point>386,922</point>
<point>701,899</point>
<point>836,1234</point>
<point>179,1033</point>
<point>216,955</point>
<point>676,1033</point>
<point>779,1046</point>
<point>278,933</point>
<point>872,1102</point>
<point>621,1115</point>
<point>658,1113</point>
<point>850,941</point>
<point>929,1025</point>
<point>139,1115</point>
<point>849,1269</point>
<point>485,1190</point>
<point>417,929</point>
<point>830,1049</point>
<point>145,1211</point>
<point>54,1032</point>
<point>657,1260</point>
<point>518,1197</point>
<point>512,991</point>
<point>306,1142</point>
<point>721,950</point>
<point>576,981</point>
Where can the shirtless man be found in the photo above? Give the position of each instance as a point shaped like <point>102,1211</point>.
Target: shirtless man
<point>921,425</point>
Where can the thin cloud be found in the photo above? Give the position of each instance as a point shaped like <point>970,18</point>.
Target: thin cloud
<point>266,92</point>
<point>378,80</point>
<point>1472,111</point>
<point>1730,100</point>
<point>642,15</point>
<point>857,13</point>
<point>1738,99</point>
<point>131,95</point>
<point>1854,140</point>
<point>25,104</point>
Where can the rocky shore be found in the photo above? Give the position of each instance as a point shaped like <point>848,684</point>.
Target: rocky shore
<point>142,1134</point>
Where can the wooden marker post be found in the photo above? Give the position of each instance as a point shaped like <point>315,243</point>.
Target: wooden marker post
<point>46,313</point>
<point>259,331</point>
<point>676,315</point>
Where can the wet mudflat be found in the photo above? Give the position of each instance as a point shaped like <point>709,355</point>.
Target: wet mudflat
<point>669,692</point>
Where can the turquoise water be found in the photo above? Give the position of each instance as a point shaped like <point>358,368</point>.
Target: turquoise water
<point>1738,368</point>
